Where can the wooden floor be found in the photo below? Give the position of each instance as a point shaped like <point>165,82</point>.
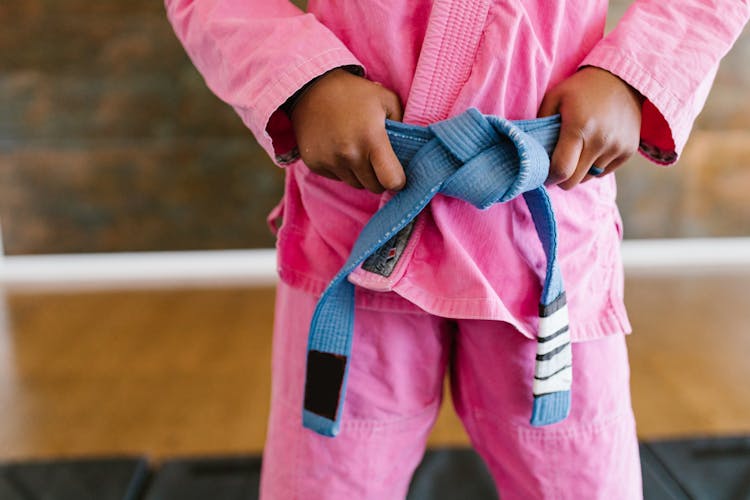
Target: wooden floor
<point>186,372</point>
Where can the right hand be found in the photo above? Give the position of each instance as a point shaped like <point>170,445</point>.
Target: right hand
<point>339,123</point>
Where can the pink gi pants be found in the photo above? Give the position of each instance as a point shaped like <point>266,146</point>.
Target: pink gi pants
<point>394,392</point>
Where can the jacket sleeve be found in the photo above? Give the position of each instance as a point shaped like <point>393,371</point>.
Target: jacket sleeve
<point>670,51</point>
<point>254,55</point>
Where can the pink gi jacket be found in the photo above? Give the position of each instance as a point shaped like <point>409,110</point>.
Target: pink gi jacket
<point>442,57</point>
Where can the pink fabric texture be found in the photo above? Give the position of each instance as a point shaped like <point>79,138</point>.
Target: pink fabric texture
<point>442,57</point>
<point>399,361</point>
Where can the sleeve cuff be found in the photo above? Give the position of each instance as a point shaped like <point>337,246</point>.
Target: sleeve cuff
<point>268,122</point>
<point>664,128</point>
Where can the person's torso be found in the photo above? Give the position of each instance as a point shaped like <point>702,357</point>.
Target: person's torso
<point>442,57</point>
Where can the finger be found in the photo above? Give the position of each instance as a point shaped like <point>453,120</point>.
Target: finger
<point>346,176</point>
<point>346,159</point>
<point>601,163</point>
<point>588,157</point>
<point>350,179</point>
<point>385,163</point>
<point>610,164</point>
<point>353,166</point>
<point>615,164</point>
<point>565,156</point>
<point>366,176</point>
<point>550,105</point>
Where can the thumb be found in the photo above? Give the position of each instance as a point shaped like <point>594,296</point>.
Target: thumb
<point>550,105</point>
<point>391,105</point>
<point>385,163</point>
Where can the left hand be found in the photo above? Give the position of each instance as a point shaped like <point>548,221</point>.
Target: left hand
<point>601,123</point>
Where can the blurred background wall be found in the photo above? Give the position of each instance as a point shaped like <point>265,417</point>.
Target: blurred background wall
<point>110,141</point>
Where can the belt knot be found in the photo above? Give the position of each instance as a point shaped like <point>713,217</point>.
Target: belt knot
<point>494,159</point>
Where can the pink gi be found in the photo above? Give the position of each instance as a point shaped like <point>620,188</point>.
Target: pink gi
<point>442,57</point>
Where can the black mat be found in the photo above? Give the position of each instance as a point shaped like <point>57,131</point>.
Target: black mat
<point>696,469</point>
<point>90,479</point>
<point>208,479</point>
<point>452,474</point>
<point>710,468</point>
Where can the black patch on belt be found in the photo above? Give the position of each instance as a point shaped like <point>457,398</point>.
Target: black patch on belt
<point>325,375</point>
<point>385,258</point>
<point>553,307</point>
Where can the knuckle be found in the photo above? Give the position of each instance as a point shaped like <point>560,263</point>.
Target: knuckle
<point>622,148</point>
<point>562,171</point>
<point>625,152</point>
<point>598,139</point>
<point>582,127</point>
<point>591,130</point>
<point>347,153</point>
<point>576,132</point>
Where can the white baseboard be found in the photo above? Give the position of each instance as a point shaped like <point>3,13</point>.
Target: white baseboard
<point>258,267</point>
<point>141,269</point>
<point>687,255</point>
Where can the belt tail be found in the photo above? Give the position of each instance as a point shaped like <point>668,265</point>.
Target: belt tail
<point>553,373</point>
<point>328,352</point>
<point>331,329</point>
<point>550,408</point>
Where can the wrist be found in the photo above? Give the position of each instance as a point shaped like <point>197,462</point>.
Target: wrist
<point>615,78</point>
<point>288,106</point>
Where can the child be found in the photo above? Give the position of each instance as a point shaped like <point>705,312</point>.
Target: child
<point>458,289</point>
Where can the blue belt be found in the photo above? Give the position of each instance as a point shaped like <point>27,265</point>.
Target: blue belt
<point>483,160</point>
